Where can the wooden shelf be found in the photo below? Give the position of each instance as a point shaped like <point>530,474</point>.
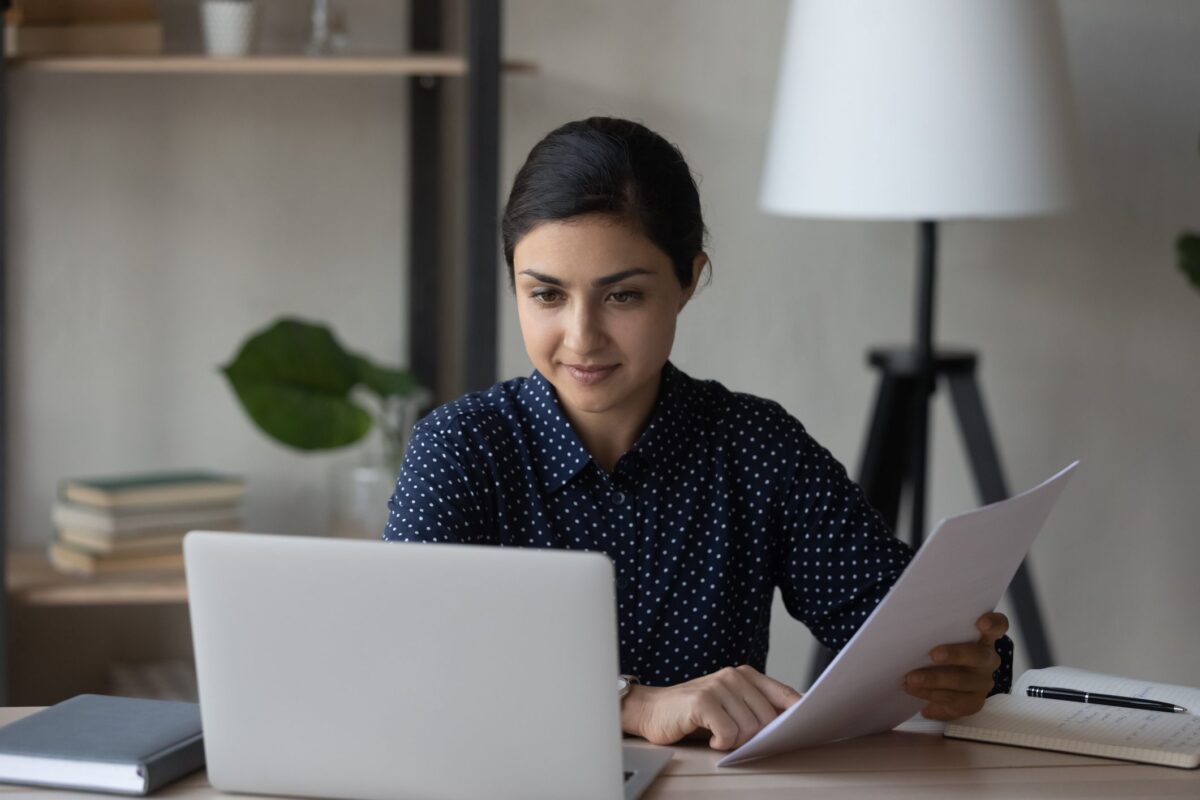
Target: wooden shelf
<point>411,65</point>
<point>32,581</point>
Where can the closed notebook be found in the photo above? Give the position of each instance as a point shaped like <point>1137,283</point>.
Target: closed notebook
<point>153,490</point>
<point>111,523</point>
<point>1152,737</point>
<point>69,560</point>
<point>121,745</point>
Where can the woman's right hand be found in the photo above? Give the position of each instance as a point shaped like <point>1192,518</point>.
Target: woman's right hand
<point>732,705</point>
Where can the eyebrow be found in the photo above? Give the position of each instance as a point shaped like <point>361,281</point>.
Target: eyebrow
<point>607,280</point>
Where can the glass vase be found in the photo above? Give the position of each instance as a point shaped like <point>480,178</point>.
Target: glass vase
<point>361,488</point>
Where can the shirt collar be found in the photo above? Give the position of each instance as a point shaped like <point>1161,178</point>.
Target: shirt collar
<point>666,433</point>
<point>558,453</point>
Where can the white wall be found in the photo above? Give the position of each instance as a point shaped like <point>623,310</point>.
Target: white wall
<point>155,221</point>
<point>1087,330</point>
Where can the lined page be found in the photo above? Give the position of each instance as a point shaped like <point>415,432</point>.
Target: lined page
<point>1084,681</point>
<point>1128,733</point>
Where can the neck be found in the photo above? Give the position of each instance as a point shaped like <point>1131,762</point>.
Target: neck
<point>611,434</point>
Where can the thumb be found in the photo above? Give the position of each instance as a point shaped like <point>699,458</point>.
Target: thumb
<point>992,626</point>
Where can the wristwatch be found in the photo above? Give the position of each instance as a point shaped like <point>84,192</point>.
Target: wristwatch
<point>625,684</point>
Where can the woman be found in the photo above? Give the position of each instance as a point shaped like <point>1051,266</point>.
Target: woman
<point>705,499</point>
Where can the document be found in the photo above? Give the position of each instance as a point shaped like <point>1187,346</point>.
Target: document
<point>958,574</point>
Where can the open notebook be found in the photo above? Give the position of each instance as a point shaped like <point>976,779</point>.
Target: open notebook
<point>1152,737</point>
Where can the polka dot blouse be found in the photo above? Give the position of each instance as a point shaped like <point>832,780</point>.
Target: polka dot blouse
<point>723,498</point>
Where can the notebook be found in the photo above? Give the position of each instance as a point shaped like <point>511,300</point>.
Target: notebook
<point>108,744</point>
<point>1152,737</point>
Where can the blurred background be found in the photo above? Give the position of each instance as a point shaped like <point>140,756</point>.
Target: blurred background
<point>155,220</point>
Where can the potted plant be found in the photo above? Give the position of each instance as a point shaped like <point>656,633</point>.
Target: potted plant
<point>304,390</point>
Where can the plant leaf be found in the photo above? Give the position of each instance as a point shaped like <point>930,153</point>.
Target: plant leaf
<point>1188,247</point>
<point>292,352</point>
<point>384,381</point>
<point>303,419</point>
<point>294,381</point>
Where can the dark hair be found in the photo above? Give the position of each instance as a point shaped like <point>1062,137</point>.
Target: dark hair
<point>605,165</point>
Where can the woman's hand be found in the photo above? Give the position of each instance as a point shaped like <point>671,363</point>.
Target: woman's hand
<point>960,682</point>
<point>732,704</point>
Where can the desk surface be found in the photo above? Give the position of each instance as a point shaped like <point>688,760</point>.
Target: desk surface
<point>912,762</point>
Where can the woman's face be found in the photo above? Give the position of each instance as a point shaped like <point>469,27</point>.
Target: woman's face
<point>597,303</point>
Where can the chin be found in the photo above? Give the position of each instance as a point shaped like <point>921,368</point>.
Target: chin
<point>592,401</point>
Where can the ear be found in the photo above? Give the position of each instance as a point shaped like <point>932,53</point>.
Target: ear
<point>697,267</point>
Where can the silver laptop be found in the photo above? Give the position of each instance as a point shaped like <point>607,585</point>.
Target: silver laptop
<point>364,669</point>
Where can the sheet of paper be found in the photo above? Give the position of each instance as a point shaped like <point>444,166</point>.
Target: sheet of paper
<point>959,574</point>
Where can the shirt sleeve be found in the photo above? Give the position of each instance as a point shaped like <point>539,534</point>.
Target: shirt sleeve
<point>838,558</point>
<point>441,493</point>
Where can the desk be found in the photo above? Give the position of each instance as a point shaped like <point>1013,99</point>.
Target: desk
<point>912,762</point>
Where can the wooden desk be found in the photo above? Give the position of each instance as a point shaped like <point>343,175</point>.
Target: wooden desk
<point>913,762</point>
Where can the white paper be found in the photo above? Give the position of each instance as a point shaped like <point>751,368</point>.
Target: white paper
<point>958,574</point>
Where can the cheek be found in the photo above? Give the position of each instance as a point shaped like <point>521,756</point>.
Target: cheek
<point>537,329</point>
<point>651,333</point>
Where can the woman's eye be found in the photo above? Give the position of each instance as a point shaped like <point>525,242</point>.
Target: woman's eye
<point>546,296</point>
<point>621,298</point>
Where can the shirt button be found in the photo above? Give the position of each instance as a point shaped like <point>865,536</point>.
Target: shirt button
<point>618,498</point>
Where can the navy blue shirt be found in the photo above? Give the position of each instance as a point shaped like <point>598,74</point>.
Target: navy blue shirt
<point>723,498</point>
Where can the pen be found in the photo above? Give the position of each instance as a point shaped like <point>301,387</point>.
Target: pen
<point>1052,693</point>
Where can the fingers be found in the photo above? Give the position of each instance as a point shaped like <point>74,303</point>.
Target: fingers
<point>978,656</point>
<point>739,709</point>
<point>940,713</point>
<point>950,705</point>
<point>738,702</point>
<point>733,704</point>
<point>959,684</point>
<point>740,692</point>
<point>952,692</point>
<point>923,683</point>
<point>710,713</point>
<point>992,626</point>
<point>779,694</point>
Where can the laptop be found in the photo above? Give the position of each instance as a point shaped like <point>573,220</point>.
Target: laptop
<point>370,669</point>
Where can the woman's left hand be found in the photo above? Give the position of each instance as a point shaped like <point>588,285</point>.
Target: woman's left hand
<point>960,681</point>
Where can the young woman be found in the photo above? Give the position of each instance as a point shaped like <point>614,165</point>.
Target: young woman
<point>705,499</point>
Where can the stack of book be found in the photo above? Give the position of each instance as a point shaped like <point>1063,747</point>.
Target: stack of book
<point>135,523</point>
<point>82,27</point>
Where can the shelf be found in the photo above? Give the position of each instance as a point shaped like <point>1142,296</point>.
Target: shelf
<point>411,65</point>
<point>32,581</point>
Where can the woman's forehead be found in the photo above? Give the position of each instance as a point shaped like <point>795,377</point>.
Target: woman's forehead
<point>587,247</point>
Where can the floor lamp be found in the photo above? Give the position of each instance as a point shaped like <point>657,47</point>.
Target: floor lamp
<point>923,110</point>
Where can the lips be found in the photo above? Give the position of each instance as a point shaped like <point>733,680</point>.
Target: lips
<point>589,374</point>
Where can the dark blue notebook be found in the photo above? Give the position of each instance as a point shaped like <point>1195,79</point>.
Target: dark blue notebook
<point>105,744</point>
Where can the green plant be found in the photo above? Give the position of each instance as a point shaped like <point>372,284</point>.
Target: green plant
<point>296,381</point>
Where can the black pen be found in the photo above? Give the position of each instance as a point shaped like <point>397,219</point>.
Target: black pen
<point>1052,693</point>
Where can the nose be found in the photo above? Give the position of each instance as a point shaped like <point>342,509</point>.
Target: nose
<point>585,330</point>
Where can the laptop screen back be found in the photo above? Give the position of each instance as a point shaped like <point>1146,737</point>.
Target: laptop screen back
<point>341,668</point>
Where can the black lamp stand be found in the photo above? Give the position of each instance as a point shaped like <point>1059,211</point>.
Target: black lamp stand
<point>897,449</point>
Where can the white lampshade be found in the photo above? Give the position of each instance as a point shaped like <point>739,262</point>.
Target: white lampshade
<point>921,109</point>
